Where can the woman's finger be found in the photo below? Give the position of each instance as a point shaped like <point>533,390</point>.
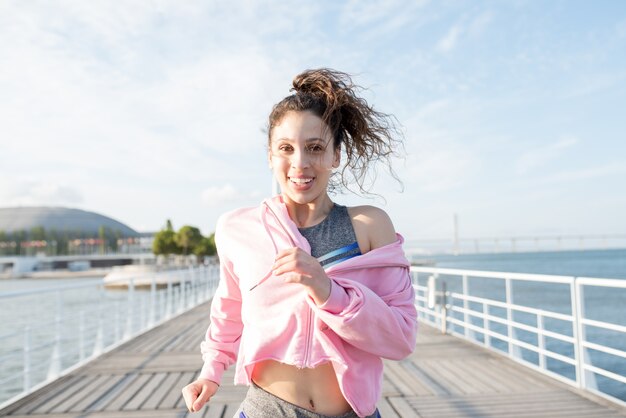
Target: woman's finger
<point>190,394</point>
<point>202,398</point>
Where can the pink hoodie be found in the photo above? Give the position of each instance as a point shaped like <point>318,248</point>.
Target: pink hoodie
<point>369,315</point>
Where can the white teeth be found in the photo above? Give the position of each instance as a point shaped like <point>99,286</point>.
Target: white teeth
<point>300,180</point>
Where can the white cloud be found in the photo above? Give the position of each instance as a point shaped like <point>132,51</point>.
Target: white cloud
<point>440,169</point>
<point>475,28</point>
<point>542,155</point>
<point>219,195</point>
<point>620,29</point>
<point>479,24</point>
<point>449,41</point>
<point>375,13</point>
<point>40,194</point>
<point>609,169</point>
<point>440,158</point>
<point>216,196</point>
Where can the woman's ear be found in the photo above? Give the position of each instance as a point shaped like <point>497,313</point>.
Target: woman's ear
<point>337,159</point>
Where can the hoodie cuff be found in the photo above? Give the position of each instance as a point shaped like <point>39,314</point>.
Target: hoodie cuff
<point>337,300</point>
<point>212,372</point>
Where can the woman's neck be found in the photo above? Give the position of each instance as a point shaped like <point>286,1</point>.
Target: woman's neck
<point>308,214</point>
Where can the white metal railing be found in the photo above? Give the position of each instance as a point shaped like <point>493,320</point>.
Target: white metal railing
<point>569,328</point>
<point>69,331</point>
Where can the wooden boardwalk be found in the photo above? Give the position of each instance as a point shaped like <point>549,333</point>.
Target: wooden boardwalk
<point>445,377</point>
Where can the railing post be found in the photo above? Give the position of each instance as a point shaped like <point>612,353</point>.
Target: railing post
<point>142,314</point>
<point>194,294</point>
<point>486,325</point>
<point>116,320</point>
<point>509,316</point>
<point>130,302</point>
<point>181,305</point>
<point>170,298</point>
<point>99,342</point>
<point>579,332</point>
<point>152,301</point>
<point>161,310</point>
<point>466,330</point>
<point>541,342</point>
<point>444,309</point>
<point>55,360</point>
<point>81,335</point>
<point>27,350</point>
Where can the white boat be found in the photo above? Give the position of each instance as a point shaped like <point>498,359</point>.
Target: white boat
<point>142,275</point>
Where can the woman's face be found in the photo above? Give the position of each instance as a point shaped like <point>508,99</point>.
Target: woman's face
<point>302,156</point>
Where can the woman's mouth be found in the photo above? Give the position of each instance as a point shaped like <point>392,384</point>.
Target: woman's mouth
<point>300,180</point>
<point>301,183</point>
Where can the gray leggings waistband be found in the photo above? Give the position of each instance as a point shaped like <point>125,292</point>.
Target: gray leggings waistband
<point>261,404</point>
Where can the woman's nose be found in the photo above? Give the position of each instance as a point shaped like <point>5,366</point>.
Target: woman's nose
<point>299,159</point>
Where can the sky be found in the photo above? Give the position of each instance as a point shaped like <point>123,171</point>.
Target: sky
<point>513,112</point>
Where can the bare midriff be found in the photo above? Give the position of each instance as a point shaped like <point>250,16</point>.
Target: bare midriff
<point>314,389</point>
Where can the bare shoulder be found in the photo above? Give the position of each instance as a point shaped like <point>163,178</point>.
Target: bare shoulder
<point>372,226</point>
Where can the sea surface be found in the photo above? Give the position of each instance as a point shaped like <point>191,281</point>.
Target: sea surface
<point>591,263</point>
<point>37,311</point>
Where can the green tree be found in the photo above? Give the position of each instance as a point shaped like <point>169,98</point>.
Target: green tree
<point>19,237</point>
<point>164,242</point>
<point>206,247</point>
<point>102,236</point>
<point>188,238</point>
<point>38,233</point>
<point>113,239</point>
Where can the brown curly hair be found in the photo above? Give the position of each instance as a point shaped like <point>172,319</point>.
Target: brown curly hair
<point>365,134</point>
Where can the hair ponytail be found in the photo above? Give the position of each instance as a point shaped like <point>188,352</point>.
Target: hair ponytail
<point>365,135</point>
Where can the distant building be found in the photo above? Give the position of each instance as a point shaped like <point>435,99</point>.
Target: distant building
<point>58,230</point>
<point>59,219</point>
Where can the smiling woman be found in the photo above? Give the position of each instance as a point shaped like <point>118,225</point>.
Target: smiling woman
<point>312,294</point>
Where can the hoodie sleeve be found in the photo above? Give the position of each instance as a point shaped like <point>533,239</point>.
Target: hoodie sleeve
<point>381,320</point>
<point>221,344</point>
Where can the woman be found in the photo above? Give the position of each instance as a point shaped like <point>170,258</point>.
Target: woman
<point>312,294</point>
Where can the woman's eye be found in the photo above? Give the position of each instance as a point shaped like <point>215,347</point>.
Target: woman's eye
<point>284,148</point>
<point>316,148</point>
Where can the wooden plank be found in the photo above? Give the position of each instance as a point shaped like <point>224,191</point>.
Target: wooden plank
<point>97,392</point>
<point>174,399</point>
<point>80,391</point>
<point>131,384</point>
<point>402,407</point>
<point>41,403</point>
<point>167,385</point>
<point>154,380</point>
<point>230,410</point>
<point>386,410</point>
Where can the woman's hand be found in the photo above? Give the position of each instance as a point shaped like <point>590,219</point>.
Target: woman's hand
<point>296,266</point>
<point>197,393</point>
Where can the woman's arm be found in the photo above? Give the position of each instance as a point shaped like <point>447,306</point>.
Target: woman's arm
<point>372,226</point>
<point>221,343</point>
<point>380,319</point>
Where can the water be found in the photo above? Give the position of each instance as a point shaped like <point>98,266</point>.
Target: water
<point>38,312</point>
<point>609,264</point>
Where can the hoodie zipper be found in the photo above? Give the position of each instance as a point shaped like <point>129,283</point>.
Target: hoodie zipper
<point>309,337</point>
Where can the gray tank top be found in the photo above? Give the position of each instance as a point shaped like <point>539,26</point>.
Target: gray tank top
<point>333,240</point>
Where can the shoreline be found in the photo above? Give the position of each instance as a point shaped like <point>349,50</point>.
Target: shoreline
<point>59,274</point>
